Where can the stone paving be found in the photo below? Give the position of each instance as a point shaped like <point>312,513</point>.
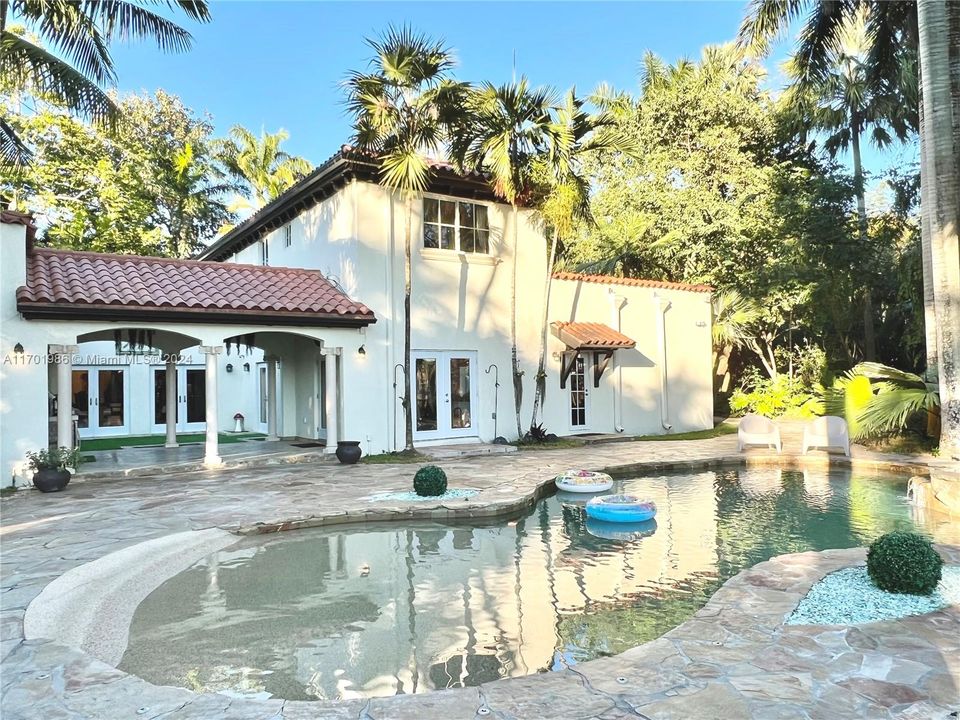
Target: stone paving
<point>734,659</point>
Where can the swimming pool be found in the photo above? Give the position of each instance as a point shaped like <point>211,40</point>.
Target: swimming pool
<point>379,610</point>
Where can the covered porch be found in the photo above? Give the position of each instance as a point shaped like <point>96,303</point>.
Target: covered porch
<point>191,345</point>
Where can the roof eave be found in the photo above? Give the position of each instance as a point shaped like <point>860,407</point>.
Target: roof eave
<point>32,310</point>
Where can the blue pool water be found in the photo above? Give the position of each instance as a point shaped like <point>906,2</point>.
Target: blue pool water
<point>405,608</point>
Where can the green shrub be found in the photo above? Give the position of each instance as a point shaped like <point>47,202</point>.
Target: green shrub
<point>430,481</point>
<point>54,459</point>
<point>773,398</point>
<point>904,562</point>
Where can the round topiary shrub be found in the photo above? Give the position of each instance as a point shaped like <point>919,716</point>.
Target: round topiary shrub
<point>904,562</point>
<point>430,481</point>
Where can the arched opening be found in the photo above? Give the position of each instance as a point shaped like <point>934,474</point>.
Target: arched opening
<point>133,382</point>
<point>288,375</point>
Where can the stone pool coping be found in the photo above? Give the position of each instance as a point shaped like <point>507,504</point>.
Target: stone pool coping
<point>725,642</point>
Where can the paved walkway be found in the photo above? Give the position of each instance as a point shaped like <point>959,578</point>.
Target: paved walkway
<point>690,673</point>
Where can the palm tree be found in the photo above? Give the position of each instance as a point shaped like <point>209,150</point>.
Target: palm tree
<point>260,165</point>
<point>844,104</point>
<point>401,108</point>
<point>734,317</point>
<point>939,24</point>
<point>575,135</point>
<point>505,130</point>
<point>81,33</point>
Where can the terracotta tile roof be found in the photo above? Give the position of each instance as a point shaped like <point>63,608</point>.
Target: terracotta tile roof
<point>68,283</point>
<point>633,282</point>
<point>589,335</point>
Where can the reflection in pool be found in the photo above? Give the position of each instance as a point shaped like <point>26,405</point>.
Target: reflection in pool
<point>407,608</point>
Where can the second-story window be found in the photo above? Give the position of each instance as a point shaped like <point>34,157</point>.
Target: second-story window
<point>287,235</point>
<point>455,225</point>
<point>264,252</point>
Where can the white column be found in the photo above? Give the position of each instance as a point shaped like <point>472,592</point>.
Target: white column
<point>172,405</point>
<point>332,393</point>
<point>64,359</point>
<point>211,455</point>
<point>272,399</point>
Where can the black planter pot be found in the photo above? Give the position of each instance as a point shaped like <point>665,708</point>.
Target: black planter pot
<point>51,480</point>
<point>348,451</point>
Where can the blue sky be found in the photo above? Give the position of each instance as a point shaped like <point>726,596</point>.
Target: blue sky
<point>278,64</point>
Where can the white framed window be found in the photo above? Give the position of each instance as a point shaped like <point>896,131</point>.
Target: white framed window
<point>264,252</point>
<point>456,225</point>
<point>287,235</point>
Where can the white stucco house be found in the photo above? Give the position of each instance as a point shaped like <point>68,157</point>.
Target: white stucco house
<point>294,319</point>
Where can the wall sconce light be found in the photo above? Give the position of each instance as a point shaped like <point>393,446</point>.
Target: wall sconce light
<point>246,367</point>
<point>229,367</point>
<point>362,350</point>
<point>18,350</point>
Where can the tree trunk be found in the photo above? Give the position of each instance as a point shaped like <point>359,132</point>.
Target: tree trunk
<point>869,334</point>
<point>514,360</point>
<point>929,316</point>
<point>407,380</point>
<point>940,172</point>
<point>541,387</point>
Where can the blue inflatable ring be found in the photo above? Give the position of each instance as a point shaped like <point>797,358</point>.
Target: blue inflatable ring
<point>621,508</point>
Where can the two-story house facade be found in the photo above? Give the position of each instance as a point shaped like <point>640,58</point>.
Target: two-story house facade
<point>294,319</point>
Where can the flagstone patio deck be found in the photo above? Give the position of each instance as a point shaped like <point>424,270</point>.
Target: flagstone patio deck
<point>734,659</point>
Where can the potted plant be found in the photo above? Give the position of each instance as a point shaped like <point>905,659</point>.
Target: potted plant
<point>348,451</point>
<point>50,467</point>
<point>238,422</point>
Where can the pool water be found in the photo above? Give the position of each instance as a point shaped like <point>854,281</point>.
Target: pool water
<point>406,608</point>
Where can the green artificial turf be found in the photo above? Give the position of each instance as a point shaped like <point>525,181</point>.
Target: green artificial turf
<point>115,443</point>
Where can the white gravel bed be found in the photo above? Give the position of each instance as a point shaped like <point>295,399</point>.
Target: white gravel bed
<point>849,597</point>
<point>410,496</point>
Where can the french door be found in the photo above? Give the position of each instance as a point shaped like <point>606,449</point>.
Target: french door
<point>191,399</point>
<point>579,395</point>
<point>445,393</point>
<point>100,400</point>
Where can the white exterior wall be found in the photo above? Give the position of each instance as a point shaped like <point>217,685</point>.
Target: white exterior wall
<point>460,302</point>
<point>688,362</point>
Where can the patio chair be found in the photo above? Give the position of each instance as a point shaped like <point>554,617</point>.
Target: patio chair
<point>826,432</point>
<point>758,430</point>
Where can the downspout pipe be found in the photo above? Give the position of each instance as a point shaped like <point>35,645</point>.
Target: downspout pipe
<point>662,305</point>
<point>616,306</point>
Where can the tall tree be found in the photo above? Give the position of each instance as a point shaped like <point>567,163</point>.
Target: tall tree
<point>576,135</point>
<point>148,187</point>
<point>939,23</point>
<point>260,165</point>
<point>400,108</point>
<point>844,105</point>
<point>505,130</point>
<point>77,67</point>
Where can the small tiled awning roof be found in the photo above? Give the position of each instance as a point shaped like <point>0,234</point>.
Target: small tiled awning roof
<point>68,284</point>
<point>590,336</point>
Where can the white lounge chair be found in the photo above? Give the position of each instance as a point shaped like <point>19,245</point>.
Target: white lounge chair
<point>758,430</point>
<point>826,432</point>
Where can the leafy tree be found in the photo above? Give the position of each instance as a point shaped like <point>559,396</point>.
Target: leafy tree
<point>843,104</point>
<point>149,187</point>
<point>400,109</point>
<point>505,130</point>
<point>258,163</point>
<point>81,32</point>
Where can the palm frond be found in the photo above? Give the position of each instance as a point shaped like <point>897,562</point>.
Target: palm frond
<point>14,154</point>
<point>46,74</point>
<point>128,21</point>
